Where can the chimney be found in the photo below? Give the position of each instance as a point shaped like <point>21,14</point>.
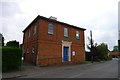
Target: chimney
<point>53,18</point>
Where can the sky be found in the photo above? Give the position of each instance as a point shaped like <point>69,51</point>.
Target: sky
<point>100,16</point>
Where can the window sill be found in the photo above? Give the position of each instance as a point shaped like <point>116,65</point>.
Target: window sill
<point>77,38</point>
<point>65,36</point>
<point>51,33</point>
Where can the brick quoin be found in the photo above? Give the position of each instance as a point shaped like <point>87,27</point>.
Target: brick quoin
<point>49,48</point>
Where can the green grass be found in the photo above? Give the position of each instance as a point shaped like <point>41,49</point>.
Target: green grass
<point>85,62</point>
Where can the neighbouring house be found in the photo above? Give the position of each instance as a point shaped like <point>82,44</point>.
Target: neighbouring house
<point>114,54</point>
<point>47,41</point>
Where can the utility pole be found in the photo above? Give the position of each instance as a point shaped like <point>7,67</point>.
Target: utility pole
<point>91,43</point>
<point>119,42</point>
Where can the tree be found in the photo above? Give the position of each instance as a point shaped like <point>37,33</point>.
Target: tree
<point>13,43</point>
<point>97,52</point>
<point>1,40</point>
<point>92,47</point>
<point>119,45</point>
<point>103,51</point>
<point>115,49</point>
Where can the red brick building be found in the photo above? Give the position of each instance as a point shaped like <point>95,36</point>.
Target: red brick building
<point>47,41</point>
<point>114,54</point>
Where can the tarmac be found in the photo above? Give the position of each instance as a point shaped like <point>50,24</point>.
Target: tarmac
<point>29,69</point>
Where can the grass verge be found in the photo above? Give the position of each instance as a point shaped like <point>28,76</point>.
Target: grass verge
<point>85,62</point>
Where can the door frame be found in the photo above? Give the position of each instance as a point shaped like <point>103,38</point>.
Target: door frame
<point>66,44</point>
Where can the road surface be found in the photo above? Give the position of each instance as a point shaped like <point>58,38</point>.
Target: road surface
<point>107,69</point>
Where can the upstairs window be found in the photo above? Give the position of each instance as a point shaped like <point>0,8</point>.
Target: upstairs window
<point>28,34</point>
<point>35,28</point>
<point>77,35</point>
<point>65,32</point>
<point>50,29</point>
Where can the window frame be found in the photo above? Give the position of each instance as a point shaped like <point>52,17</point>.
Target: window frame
<point>77,34</point>
<point>33,50</point>
<point>65,32</point>
<point>50,29</point>
<point>35,29</point>
<point>29,34</point>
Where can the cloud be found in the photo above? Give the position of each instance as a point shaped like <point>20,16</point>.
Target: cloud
<point>12,21</point>
<point>9,9</point>
<point>100,16</point>
<point>105,29</point>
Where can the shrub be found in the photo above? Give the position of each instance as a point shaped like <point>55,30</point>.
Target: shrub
<point>11,58</point>
<point>97,60</point>
<point>109,58</point>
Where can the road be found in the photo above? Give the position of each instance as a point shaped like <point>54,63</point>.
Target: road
<point>107,69</point>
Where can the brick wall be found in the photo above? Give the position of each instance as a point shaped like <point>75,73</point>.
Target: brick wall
<point>48,48</point>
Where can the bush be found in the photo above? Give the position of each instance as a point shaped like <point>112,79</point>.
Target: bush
<point>97,60</point>
<point>11,58</point>
<point>108,58</point>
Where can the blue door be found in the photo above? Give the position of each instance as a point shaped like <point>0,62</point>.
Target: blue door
<point>65,54</point>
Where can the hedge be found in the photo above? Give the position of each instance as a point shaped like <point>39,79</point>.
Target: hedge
<point>11,58</point>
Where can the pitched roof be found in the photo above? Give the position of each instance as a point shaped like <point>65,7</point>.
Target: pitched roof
<point>41,17</point>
